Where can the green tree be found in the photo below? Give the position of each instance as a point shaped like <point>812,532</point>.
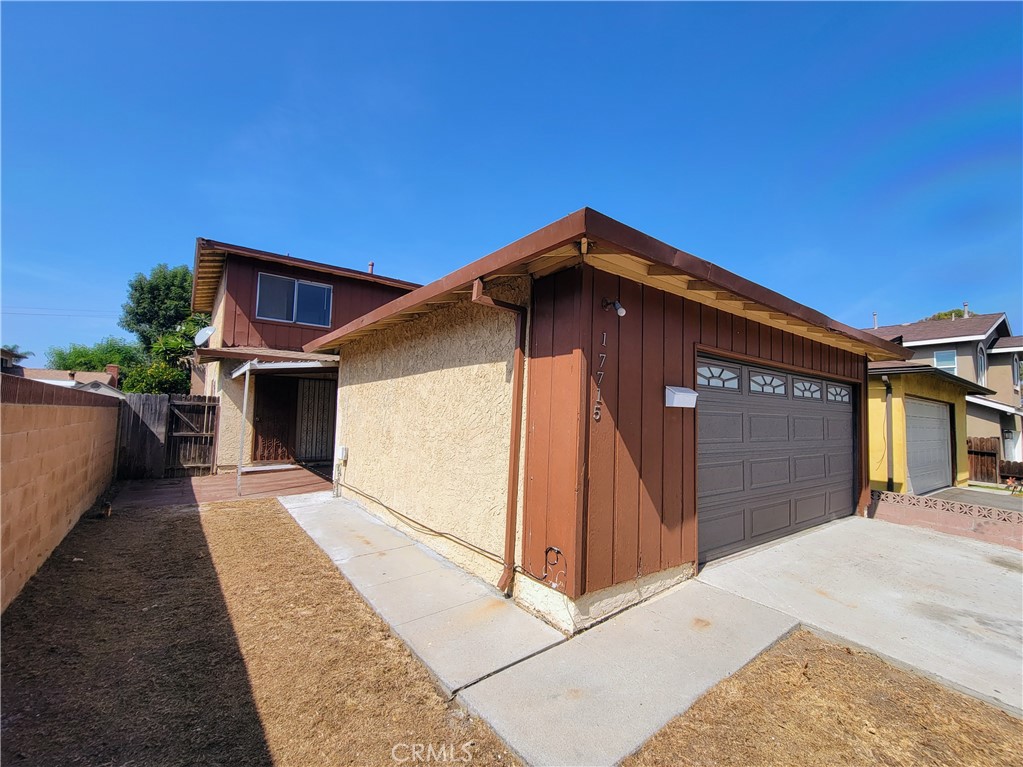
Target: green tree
<point>957,313</point>
<point>157,303</point>
<point>157,377</point>
<point>16,352</point>
<point>109,351</point>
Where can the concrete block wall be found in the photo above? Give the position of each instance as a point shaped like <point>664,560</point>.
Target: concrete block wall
<point>57,453</point>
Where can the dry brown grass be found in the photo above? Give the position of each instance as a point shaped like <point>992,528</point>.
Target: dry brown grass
<point>807,702</point>
<point>215,637</point>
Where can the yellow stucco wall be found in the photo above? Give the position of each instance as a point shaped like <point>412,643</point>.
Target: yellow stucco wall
<point>424,410</point>
<point>231,393</point>
<point>920,385</point>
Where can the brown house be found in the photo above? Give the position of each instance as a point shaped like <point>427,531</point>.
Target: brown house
<point>265,307</point>
<point>567,462</point>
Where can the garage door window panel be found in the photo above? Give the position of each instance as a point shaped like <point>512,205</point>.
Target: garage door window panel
<point>767,383</point>
<point>717,376</point>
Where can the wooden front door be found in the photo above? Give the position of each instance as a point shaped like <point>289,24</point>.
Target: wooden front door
<point>275,414</point>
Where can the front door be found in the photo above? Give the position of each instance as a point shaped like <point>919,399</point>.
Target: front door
<point>274,413</point>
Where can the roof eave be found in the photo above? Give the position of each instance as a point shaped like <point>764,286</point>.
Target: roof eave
<point>596,226</point>
<point>969,386</point>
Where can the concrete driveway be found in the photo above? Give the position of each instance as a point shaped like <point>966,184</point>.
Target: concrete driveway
<point>949,608</point>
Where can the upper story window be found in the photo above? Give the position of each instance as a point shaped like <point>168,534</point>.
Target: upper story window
<point>287,300</point>
<point>981,365</point>
<point>945,361</point>
<point>1015,371</point>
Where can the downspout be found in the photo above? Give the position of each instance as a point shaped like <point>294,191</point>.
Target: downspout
<point>518,366</point>
<point>888,431</point>
<point>241,441</point>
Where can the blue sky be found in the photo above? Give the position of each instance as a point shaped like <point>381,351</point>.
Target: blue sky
<point>855,157</point>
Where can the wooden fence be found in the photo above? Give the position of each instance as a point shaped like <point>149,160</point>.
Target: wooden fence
<point>1011,469</point>
<point>983,455</point>
<point>164,435</point>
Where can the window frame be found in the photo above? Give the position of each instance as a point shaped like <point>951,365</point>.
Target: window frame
<point>955,361</point>
<point>981,361</point>
<point>1015,372</point>
<point>294,303</point>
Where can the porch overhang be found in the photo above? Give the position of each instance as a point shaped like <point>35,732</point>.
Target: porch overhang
<point>255,367</point>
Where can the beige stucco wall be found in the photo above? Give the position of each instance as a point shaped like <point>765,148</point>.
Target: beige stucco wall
<point>999,378</point>
<point>966,356</point>
<point>983,422</point>
<point>929,387</point>
<point>56,460</point>
<point>231,393</point>
<point>424,410</point>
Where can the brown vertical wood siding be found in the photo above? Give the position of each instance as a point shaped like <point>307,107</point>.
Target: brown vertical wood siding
<point>351,298</point>
<point>637,514</point>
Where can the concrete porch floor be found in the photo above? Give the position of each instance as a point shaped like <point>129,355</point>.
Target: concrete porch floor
<point>221,487</point>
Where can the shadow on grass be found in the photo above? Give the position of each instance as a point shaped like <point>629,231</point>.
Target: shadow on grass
<point>121,651</point>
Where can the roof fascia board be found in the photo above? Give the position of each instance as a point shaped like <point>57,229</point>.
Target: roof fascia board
<point>1005,349</point>
<point>255,366</point>
<point>994,405</point>
<point>970,386</point>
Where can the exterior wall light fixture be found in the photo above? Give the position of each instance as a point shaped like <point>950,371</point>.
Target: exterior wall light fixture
<point>609,304</point>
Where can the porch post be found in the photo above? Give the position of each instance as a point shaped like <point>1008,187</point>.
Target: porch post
<point>241,441</point>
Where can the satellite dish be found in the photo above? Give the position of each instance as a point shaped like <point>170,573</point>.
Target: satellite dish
<point>203,336</point>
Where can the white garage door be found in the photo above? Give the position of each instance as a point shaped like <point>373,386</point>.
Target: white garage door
<point>928,445</point>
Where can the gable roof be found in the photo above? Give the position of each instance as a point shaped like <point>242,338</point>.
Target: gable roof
<point>976,327</point>
<point>210,257</point>
<point>905,367</point>
<point>1007,344</point>
<point>587,236</point>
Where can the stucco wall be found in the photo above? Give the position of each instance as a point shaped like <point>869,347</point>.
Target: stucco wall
<point>984,422</point>
<point>56,460</point>
<point>966,357</point>
<point>999,378</point>
<point>231,393</point>
<point>424,410</point>
<point>915,385</point>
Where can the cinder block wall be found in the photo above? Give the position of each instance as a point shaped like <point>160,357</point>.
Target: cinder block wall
<point>57,453</point>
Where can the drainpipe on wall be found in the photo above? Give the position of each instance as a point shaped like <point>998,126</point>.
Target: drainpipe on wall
<point>889,431</point>
<point>518,367</point>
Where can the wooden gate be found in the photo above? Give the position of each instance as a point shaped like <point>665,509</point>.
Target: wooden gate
<point>983,453</point>
<point>191,435</point>
<point>166,436</point>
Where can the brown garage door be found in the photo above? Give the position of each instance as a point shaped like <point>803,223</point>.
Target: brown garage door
<point>775,454</point>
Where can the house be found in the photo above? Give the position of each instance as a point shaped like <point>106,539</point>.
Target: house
<point>69,378</point>
<point>531,416</point>
<point>979,348</point>
<point>264,307</point>
<point>918,426</point>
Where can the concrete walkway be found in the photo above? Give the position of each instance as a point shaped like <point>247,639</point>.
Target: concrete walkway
<point>946,607</point>
<point>996,499</point>
<point>461,628</point>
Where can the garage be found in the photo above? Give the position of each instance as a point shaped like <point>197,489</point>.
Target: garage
<point>775,454</point>
<point>928,445</point>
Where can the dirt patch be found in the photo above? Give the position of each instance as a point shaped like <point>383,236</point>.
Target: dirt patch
<point>217,637</point>
<point>811,702</point>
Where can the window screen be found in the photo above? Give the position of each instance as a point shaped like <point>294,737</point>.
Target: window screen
<point>275,298</point>
<point>313,304</point>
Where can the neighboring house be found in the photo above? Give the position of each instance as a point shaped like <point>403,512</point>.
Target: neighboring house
<point>264,307</point>
<point>69,378</point>
<point>979,348</point>
<point>621,489</point>
<point>918,426</point>
<point>6,359</point>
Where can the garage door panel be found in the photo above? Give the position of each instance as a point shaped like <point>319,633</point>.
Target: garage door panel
<point>839,465</point>
<point>768,427</point>
<point>721,477</point>
<point>720,427</point>
<point>768,472</point>
<point>723,529</point>
<point>807,427</point>
<point>808,467</point>
<point>810,507</point>
<point>788,462</point>
<point>770,517</point>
